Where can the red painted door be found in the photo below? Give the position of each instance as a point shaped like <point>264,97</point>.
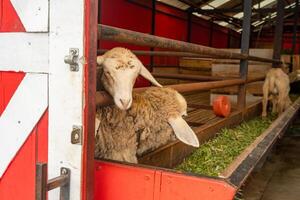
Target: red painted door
<point>23,96</point>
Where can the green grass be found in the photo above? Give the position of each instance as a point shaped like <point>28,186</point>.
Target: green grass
<point>212,157</point>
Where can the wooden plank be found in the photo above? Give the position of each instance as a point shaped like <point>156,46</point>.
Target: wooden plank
<point>198,63</point>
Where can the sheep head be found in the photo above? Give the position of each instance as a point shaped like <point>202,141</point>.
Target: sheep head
<point>120,70</point>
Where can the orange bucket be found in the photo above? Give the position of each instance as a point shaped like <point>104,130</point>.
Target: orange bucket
<point>222,106</point>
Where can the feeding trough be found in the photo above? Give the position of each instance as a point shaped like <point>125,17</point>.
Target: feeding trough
<point>145,181</point>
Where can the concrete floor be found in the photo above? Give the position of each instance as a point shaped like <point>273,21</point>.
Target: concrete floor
<point>279,177</point>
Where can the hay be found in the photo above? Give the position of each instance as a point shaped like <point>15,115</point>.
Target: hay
<point>212,157</point>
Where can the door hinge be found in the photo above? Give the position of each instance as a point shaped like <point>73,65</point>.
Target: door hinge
<point>43,185</point>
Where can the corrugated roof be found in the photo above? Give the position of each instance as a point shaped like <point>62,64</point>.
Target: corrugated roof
<point>229,19</point>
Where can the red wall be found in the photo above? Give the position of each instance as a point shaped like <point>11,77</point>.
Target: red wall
<point>170,23</point>
<point>267,41</point>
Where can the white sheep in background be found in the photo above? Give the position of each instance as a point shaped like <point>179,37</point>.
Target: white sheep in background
<point>154,117</point>
<point>120,70</point>
<point>276,85</point>
<point>142,124</point>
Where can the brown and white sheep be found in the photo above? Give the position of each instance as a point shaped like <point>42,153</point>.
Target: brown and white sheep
<point>154,117</point>
<point>277,87</point>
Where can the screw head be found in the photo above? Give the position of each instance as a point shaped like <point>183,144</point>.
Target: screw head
<point>64,171</point>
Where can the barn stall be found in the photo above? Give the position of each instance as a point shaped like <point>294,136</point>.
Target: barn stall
<point>56,149</point>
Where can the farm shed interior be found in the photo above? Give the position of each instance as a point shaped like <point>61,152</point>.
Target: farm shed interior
<point>179,56</point>
<point>204,49</point>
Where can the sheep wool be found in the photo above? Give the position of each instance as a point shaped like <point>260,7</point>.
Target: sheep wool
<point>124,134</point>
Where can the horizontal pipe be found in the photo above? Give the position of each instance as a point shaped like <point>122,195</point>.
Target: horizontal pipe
<point>104,99</point>
<point>187,77</point>
<point>251,80</point>
<point>161,53</point>
<point>184,54</point>
<point>193,55</point>
<point>126,36</point>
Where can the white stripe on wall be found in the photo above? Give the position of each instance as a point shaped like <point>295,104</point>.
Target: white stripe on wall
<point>21,115</point>
<point>33,14</point>
<point>26,52</point>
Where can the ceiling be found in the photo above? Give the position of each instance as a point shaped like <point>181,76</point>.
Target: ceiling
<point>228,13</point>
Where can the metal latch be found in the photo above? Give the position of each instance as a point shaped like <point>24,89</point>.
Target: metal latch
<point>76,135</point>
<point>43,186</point>
<point>72,59</point>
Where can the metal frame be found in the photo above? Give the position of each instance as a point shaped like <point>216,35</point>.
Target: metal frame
<point>43,185</point>
<point>278,30</point>
<point>126,36</point>
<point>132,37</point>
<point>245,50</point>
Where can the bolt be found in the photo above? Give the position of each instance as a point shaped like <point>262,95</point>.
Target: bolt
<point>64,171</point>
<point>76,136</point>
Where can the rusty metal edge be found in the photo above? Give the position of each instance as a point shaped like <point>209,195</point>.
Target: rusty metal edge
<point>242,167</point>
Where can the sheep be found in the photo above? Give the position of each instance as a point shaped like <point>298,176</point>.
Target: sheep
<point>120,68</point>
<point>153,119</point>
<point>277,85</point>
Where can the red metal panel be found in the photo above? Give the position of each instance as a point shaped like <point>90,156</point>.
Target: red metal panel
<point>9,20</point>
<point>121,182</point>
<point>219,39</point>
<point>42,138</point>
<point>171,27</point>
<point>90,49</point>
<point>179,186</point>
<point>123,14</point>
<point>9,83</point>
<point>200,34</point>
<point>18,182</point>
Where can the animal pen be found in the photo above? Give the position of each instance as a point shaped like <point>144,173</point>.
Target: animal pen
<point>55,149</point>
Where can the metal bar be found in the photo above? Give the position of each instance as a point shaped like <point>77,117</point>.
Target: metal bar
<point>92,10</point>
<point>104,99</point>
<point>242,167</point>
<point>251,80</point>
<point>186,54</point>
<point>278,30</point>
<point>43,185</point>
<point>41,181</point>
<point>188,77</point>
<point>58,181</point>
<point>65,188</point>
<point>236,10</point>
<point>126,36</point>
<point>160,53</point>
<point>244,50</point>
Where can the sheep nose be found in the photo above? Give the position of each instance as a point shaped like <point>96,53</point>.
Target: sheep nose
<point>124,102</point>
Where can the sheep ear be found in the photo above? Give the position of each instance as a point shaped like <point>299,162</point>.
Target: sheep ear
<point>147,75</point>
<point>100,60</point>
<point>183,131</point>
